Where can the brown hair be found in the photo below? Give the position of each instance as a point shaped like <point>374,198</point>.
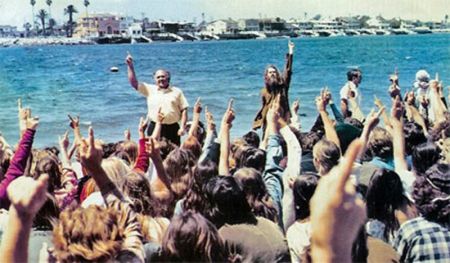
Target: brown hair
<point>380,143</point>
<point>178,168</point>
<point>327,154</point>
<point>130,148</point>
<point>192,145</point>
<point>191,237</point>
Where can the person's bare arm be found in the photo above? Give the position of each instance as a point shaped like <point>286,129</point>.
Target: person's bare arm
<point>384,115</point>
<point>161,188</point>
<point>75,125</point>
<point>63,146</point>
<point>131,73</point>
<point>227,120</point>
<point>372,121</point>
<point>156,134</point>
<point>398,137</point>
<point>195,118</point>
<point>330,131</point>
<point>184,117</point>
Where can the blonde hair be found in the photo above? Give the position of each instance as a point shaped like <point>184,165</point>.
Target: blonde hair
<point>116,169</point>
<point>95,233</point>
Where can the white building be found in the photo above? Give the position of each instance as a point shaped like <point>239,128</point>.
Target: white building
<point>222,26</point>
<point>248,24</point>
<point>135,30</point>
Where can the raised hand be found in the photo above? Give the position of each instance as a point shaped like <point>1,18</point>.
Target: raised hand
<point>397,109</point>
<point>377,102</point>
<point>210,124</point>
<point>23,112</point>
<point>32,122</point>
<point>28,195</point>
<point>198,106</point>
<point>228,116</point>
<point>291,47</point>
<point>152,147</point>
<point>127,134</point>
<point>74,122</point>
<point>64,141</point>
<point>90,154</point>
<point>274,112</point>
<point>320,104</point>
<point>295,106</point>
<point>326,95</point>
<point>337,213</point>
<point>129,60</point>
<point>410,98</point>
<point>373,118</point>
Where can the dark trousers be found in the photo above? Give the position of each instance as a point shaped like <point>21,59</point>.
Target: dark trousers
<point>168,131</point>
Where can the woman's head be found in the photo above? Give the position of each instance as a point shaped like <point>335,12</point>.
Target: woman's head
<point>228,201</point>
<point>137,188</point>
<point>251,157</point>
<point>380,143</point>
<point>116,169</point>
<point>385,194</point>
<point>255,190</point>
<point>196,198</point>
<point>413,136</point>
<point>304,188</point>
<point>49,165</point>
<point>326,155</point>
<point>192,145</point>
<point>178,166</point>
<point>91,234</point>
<point>424,156</point>
<point>192,238</point>
<point>431,194</point>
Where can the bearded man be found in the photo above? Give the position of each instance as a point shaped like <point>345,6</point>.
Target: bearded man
<point>275,84</point>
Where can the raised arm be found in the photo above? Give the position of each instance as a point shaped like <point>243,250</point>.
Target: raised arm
<point>195,118</point>
<point>27,197</point>
<point>156,134</point>
<point>398,137</point>
<point>19,160</point>
<point>372,121</point>
<point>211,149</point>
<point>384,115</point>
<point>227,120</point>
<point>330,132</point>
<point>142,161</point>
<point>63,146</point>
<point>75,125</point>
<point>184,117</point>
<point>161,185</point>
<point>131,73</point>
<point>287,73</point>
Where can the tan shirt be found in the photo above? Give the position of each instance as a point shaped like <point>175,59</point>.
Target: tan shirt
<point>171,101</point>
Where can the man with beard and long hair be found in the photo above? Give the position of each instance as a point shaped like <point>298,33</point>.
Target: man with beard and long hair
<point>274,84</point>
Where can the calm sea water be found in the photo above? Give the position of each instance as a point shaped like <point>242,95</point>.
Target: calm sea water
<point>55,81</point>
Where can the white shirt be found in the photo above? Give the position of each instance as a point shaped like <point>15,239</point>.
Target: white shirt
<point>171,100</point>
<point>350,86</point>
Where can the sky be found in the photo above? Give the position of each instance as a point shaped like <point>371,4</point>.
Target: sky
<point>18,12</point>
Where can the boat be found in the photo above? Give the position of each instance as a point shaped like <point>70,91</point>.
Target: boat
<point>351,32</point>
<point>422,30</point>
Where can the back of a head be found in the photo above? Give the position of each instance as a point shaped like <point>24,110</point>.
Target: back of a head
<point>431,194</point>
<point>91,234</point>
<point>251,138</point>
<point>424,156</point>
<point>137,188</point>
<point>413,136</point>
<point>165,147</point>
<point>195,198</point>
<point>251,157</point>
<point>131,150</point>
<point>116,170</point>
<point>192,238</point>
<point>308,140</point>
<point>192,145</point>
<point>178,166</point>
<point>380,143</point>
<point>255,190</point>
<point>49,165</point>
<point>303,189</point>
<point>347,133</point>
<point>384,195</point>
<point>326,155</point>
<point>228,201</point>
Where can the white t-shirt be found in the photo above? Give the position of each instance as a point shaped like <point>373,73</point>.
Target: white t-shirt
<point>350,86</point>
<point>171,100</point>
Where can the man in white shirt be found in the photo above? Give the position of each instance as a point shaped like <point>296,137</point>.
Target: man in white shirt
<point>350,90</point>
<point>170,99</point>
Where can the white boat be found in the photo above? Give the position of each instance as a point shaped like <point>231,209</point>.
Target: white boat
<point>422,30</point>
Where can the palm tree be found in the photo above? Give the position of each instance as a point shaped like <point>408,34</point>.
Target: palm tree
<point>86,3</point>
<point>70,10</point>
<point>49,3</point>
<point>42,15</point>
<point>32,3</point>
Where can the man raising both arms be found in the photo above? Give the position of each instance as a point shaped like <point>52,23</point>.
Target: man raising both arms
<point>170,99</point>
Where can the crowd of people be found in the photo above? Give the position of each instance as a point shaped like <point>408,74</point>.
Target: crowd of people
<point>354,188</point>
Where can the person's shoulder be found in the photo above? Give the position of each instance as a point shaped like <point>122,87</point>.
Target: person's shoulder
<point>176,89</point>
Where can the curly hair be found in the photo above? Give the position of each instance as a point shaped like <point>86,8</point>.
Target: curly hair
<point>94,233</point>
<point>256,193</point>
<point>424,156</point>
<point>431,194</point>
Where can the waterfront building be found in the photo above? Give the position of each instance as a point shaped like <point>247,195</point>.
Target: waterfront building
<point>222,26</point>
<point>248,24</point>
<point>8,31</point>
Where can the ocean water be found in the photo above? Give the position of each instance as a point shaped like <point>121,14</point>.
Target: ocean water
<point>57,80</point>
